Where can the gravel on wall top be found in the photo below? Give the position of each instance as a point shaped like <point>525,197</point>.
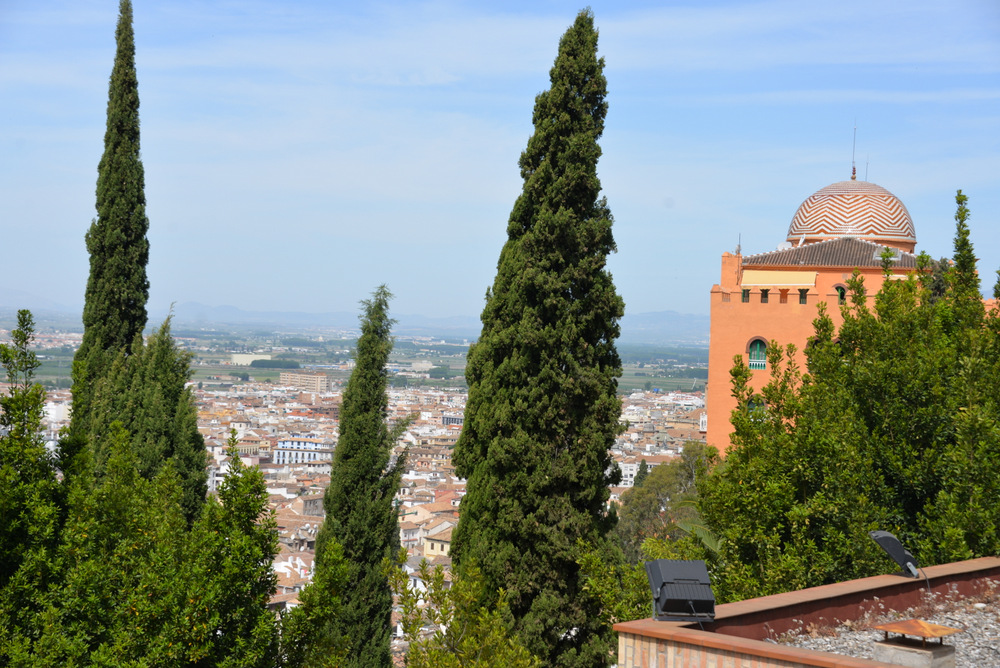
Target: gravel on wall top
<point>977,644</point>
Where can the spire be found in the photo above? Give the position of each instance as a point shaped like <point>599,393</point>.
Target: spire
<point>854,144</point>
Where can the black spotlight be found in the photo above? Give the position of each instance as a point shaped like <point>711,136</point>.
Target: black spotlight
<point>681,591</point>
<point>899,554</point>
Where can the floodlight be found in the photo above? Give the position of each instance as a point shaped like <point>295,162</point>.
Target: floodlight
<point>681,590</point>
<point>899,554</point>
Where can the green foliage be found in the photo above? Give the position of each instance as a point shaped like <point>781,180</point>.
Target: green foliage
<point>138,588</point>
<point>231,549</point>
<point>274,364</point>
<point>621,587</point>
<point>467,635</point>
<point>117,289</point>
<point>641,474</point>
<point>361,527</point>
<point>894,427</point>
<point>30,495</point>
<point>542,410</point>
<point>662,506</point>
<point>145,391</point>
<point>115,376</point>
<point>791,504</point>
<point>313,634</point>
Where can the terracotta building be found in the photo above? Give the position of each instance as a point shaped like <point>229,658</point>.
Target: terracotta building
<point>774,295</point>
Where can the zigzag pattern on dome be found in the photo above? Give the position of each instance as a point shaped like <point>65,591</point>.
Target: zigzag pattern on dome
<point>853,208</point>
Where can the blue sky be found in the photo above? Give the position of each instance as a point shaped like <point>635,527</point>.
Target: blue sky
<point>300,153</point>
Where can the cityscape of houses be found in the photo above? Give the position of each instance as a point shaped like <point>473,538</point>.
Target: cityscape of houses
<point>289,429</point>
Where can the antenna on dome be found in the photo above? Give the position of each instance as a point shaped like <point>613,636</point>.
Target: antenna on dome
<point>854,144</point>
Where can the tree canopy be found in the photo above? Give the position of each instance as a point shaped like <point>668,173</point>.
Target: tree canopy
<point>542,411</point>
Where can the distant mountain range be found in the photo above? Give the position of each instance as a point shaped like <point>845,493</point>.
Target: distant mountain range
<point>662,327</point>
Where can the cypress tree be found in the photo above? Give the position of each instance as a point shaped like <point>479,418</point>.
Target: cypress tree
<point>116,377</point>
<point>966,297</point>
<point>117,289</point>
<point>361,527</point>
<point>144,391</point>
<point>543,410</point>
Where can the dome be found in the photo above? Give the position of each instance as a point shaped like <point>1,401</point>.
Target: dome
<point>854,209</point>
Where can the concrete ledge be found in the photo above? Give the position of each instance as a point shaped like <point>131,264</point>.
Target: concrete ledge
<point>652,644</point>
<point>735,638</point>
<point>769,616</point>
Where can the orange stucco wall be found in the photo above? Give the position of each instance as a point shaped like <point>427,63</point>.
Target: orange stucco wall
<point>734,324</point>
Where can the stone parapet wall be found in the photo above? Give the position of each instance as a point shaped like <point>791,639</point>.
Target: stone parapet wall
<point>736,638</point>
<point>672,645</point>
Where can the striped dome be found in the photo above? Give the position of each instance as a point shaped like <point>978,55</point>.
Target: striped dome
<point>854,209</point>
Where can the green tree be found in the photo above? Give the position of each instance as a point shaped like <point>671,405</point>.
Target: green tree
<point>966,299</point>
<point>664,505</point>
<point>641,474</point>
<point>117,289</point>
<point>139,588</point>
<point>466,635</point>
<point>312,633</point>
<point>361,527</point>
<point>30,494</point>
<point>894,427</point>
<point>543,410</point>
<point>792,503</point>
<point>121,558</point>
<point>145,390</point>
<point>230,556</point>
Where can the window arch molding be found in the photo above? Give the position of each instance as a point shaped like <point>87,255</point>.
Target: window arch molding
<point>757,352</point>
<point>841,291</point>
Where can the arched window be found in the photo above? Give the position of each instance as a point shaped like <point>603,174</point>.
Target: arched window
<point>758,354</point>
<point>841,294</point>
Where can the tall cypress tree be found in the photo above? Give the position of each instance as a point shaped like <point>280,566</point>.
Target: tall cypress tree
<point>965,296</point>
<point>116,377</point>
<point>361,527</point>
<point>543,410</point>
<point>117,289</point>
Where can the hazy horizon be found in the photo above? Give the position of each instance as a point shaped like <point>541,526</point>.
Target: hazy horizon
<point>298,155</point>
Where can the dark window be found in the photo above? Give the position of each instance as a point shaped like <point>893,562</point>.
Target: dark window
<point>841,295</point>
<point>758,354</point>
<point>802,295</point>
<point>783,297</point>
<point>763,296</point>
<point>746,296</point>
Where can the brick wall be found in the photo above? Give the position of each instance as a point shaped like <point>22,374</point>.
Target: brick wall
<point>687,648</point>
